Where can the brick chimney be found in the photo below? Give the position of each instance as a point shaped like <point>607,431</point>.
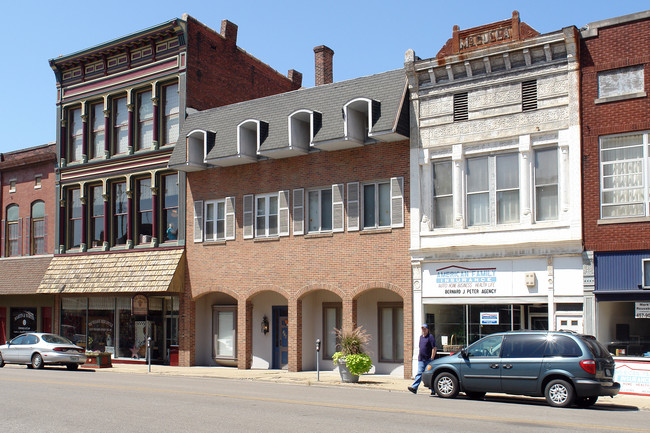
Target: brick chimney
<point>229,31</point>
<point>295,77</point>
<point>324,73</point>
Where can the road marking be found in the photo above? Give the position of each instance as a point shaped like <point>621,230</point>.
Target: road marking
<point>428,413</point>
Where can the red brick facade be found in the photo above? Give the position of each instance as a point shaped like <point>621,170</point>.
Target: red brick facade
<point>346,264</point>
<point>615,46</point>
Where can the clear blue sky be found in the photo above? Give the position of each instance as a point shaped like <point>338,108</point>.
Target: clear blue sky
<point>367,36</point>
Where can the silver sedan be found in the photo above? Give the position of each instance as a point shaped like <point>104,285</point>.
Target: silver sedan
<point>37,349</point>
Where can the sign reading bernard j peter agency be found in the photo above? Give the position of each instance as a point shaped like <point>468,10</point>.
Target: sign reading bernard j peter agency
<point>479,279</point>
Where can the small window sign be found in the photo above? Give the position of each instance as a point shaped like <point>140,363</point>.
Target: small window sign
<point>140,305</point>
<point>642,310</point>
<point>490,318</point>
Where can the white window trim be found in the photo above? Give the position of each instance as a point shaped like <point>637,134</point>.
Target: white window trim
<point>38,181</point>
<point>293,118</point>
<point>12,185</point>
<point>362,207</point>
<point>215,237</point>
<point>191,137</point>
<point>243,147</point>
<point>534,184</point>
<point>320,211</point>
<point>267,198</point>
<point>346,116</point>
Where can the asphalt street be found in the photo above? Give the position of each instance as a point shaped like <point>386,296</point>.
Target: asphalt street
<point>57,400</point>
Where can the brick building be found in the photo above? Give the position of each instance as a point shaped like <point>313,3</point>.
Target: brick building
<point>495,191</point>
<point>298,205</point>
<point>27,239</point>
<point>119,268</point>
<point>615,115</point>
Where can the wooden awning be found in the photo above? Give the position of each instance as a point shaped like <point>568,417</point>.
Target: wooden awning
<point>116,272</point>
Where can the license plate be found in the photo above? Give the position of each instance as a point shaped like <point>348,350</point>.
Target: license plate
<point>74,358</point>
<point>608,372</point>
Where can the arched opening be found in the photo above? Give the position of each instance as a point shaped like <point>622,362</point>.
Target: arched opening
<point>322,312</point>
<point>269,325</point>
<point>216,330</point>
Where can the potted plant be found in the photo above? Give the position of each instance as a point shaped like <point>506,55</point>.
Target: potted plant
<point>351,359</point>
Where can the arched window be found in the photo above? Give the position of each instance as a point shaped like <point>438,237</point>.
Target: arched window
<point>12,231</point>
<point>37,241</point>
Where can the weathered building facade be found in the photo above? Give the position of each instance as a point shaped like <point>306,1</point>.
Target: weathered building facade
<point>495,186</point>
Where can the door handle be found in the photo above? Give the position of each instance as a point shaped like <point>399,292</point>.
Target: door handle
<point>507,366</point>
<point>494,365</point>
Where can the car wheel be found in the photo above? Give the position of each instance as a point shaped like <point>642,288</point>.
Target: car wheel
<point>475,395</point>
<point>586,401</point>
<point>37,361</point>
<point>446,385</point>
<point>559,393</point>
<point>72,366</point>
<point>2,361</point>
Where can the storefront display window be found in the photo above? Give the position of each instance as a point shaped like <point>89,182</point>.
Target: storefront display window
<point>625,328</point>
<point>73,319</point>
<point>101,316</point>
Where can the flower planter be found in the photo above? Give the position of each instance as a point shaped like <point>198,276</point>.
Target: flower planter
<point>99,361</point>
<point>346,376</point>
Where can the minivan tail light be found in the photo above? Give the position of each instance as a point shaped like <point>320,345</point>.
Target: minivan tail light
<point>588,365</point>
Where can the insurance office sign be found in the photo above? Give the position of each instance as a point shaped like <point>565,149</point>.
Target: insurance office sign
<point>465,281</point>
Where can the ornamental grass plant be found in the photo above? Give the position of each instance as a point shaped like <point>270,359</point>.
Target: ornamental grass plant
<point>352,350</point>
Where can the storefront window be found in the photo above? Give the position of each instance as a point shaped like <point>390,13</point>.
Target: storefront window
<point>488,319</point>
<point>126,330</point>
<point>224,321</point>
<point>73,320</point>
<point>101,317</point>
<point>624,327</point>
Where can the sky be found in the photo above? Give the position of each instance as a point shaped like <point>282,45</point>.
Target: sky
<point>367,36</point>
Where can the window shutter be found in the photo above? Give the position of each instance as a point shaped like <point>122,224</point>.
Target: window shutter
<point>20,236</point>
<point>28,238</point>
<point>230,218</point>
<point>248,216</point>
<point>283,220</point>
<point>397,202</point>
<point>3,239</point>
<point>198,221</point>
<point>338,211</point>
<point>353,206</point>
<point>45,234</point>
<point>299,211</point>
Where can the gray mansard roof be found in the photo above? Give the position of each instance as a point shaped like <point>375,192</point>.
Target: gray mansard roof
<point>390,121</point>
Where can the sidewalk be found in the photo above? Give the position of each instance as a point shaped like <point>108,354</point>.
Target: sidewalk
<point>327,378</point>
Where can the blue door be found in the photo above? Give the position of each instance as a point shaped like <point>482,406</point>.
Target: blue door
<point>280,337</point>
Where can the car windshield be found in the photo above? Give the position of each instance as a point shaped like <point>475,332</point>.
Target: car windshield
<point>596,347</point>
<point>55,339</point>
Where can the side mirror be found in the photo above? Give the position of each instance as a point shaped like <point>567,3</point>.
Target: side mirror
<point>463,353</point>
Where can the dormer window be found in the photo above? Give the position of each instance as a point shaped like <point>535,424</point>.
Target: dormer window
<point>358,115</point>
<point>197,147</point>
<point>250,135</point>
<point>303,124</point>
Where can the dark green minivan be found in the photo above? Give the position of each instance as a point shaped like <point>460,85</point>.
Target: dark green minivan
<point>564,367</point>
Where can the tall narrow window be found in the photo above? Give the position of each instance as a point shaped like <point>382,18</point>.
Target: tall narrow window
<point>120,126</point>
<point>12,231</point>
<point>461,109</point>
<point>320,210</point>
<point>144,216</point>
<point>145,121</point>
<point>37,241</point>
<point>170,114</point>
<point>478,192</point>
<point>622,181</point>
<point>266,215</point>
<point>546,184</point>
<point>331,322</point>
<point>507,188</point>
<point>224,332</point>
<point>74,218</point>
<point>75,135</point>
<point>97,133</point>
<point>442,194</point>
<point>376,205</point>
<point>529,95</point>
<point>215,220</point>
<point>96,216</point>
<point>170,207</point>
<point>391,332</point>
<point>120,214</point>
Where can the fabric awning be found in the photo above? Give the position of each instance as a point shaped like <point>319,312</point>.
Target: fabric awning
<point>22,275</point>
<point>116,272</point>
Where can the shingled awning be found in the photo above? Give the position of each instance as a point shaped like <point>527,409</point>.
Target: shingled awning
<point>115,272</point>
<point>22,275</point>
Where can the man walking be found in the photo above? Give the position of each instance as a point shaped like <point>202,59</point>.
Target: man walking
<point>427,354</point>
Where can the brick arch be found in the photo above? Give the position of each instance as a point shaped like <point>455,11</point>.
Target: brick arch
<point>247,296</point>
<point>309,288</point>
<point>371,285</point>
<point>199,293</point>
